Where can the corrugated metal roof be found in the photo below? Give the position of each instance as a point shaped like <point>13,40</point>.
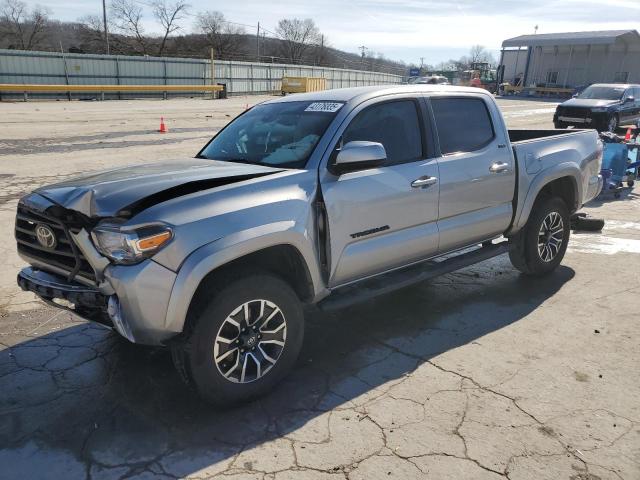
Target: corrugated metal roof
<point>602,37</point>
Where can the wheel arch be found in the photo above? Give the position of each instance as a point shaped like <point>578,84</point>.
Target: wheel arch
<point>562,181</point>
<point>281,254</point>
<point>565,188</point>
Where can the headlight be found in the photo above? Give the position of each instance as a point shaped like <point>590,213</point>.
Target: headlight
<point>599,109</point>
<point>126,246</point>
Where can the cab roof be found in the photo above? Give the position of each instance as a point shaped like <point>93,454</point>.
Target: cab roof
<point>359,94</point>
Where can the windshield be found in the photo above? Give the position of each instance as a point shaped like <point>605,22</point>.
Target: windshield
<point>602,93</point>
<point>277,134</point>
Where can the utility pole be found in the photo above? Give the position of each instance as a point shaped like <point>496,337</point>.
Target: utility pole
<point>363,49</point>
<point>104,19</point>
<point>321,52</point>
<point>535,29</point>
<point>258,42</point>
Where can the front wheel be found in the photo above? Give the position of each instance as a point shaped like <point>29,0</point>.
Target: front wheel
<point>242,340</point>
<point>540,246</point>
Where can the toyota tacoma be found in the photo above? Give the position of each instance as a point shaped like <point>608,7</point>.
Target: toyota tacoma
<point>324,199</point>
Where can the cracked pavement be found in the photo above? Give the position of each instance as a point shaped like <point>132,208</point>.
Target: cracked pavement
<point>480,374</point>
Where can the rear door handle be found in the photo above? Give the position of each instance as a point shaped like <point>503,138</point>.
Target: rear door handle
<point>499,167</point>
<point>424,182</point>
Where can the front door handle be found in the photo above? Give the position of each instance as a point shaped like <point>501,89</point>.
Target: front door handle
<point>425,181</point>
<point>499,167</point>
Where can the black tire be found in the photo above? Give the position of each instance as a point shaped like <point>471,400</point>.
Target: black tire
<point>630,183</point>
<point>193,355</point>
<point>587,224</point>
<point>560,125</point>
<point>524,253</point>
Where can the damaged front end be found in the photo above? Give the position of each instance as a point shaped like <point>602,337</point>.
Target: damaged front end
<point>65,270</point>
<point>87,253</point>
<point>68,271</point>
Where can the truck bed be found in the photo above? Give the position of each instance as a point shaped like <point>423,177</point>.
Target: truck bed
<point>516,136</point>
<point>568,153</point>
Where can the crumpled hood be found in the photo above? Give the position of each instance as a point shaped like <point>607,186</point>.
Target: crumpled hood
<point>126,190</point>
<point>588,103</point>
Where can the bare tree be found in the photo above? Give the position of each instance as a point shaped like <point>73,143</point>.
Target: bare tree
<point>127,18</point>
<point>297,36</point>
<point>92,32</point>
<point>169,14</point>
<point>222,36</point>
<point>479,54</point>
<point>25,28</point>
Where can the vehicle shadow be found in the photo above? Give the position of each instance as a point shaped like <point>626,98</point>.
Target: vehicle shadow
<point>85,399</point>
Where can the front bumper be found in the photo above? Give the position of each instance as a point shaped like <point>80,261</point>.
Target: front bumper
<point>87,302</point>
<point>133,299</point>
<point>584,119</point>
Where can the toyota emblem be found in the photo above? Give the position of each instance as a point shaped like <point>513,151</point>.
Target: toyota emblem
<point>45,236</point>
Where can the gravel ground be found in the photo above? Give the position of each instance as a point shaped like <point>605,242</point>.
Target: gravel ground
<point>479,374</point>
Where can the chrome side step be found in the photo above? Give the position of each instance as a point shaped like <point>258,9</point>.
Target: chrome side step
<point>397,279</point>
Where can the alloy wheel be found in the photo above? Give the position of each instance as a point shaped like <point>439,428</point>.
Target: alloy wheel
<point>550,236</point>
<point>250,341</point>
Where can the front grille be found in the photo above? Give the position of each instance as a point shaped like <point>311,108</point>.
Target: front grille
<point>65,255</point>
<point>575,112</point>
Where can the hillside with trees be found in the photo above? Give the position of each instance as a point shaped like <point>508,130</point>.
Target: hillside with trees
<point>183,32</point>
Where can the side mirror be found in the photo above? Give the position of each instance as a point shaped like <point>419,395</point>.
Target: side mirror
<point>359,155</point>
<point>629,99</point>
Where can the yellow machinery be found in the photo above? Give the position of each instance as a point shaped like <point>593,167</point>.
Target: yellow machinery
<point>303,84</point>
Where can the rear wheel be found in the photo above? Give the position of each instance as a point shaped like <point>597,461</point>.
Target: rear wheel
<point>540,246</point>
<point>560,125</point>
<point>242,340</point>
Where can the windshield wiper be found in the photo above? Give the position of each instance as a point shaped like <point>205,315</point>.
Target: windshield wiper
<point>234,159</point>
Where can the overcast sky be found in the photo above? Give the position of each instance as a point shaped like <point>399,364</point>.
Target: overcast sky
<point>407,29</point>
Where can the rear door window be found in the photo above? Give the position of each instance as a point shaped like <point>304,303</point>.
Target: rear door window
<point>394,124</point>
<point>463,124</point>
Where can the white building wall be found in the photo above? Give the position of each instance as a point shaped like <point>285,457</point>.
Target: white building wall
<point>514,64</point>
<point>574,66</point>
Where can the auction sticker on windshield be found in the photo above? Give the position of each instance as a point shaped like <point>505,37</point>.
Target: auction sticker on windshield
<point>328,107</point>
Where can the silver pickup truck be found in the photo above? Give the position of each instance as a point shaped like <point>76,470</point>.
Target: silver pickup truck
<point>326,198</point>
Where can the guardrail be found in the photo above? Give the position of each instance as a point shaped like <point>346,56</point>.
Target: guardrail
<point>34,87</point>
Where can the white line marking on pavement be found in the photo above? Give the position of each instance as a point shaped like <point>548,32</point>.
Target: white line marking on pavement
<point>602,244</point>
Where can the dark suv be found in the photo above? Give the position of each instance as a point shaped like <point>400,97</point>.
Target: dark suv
<point>601,106</point>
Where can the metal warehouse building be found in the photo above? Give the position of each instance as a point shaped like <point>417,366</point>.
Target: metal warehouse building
<point>570,60</point>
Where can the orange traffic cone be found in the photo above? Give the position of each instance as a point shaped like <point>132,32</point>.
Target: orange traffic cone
<point>163,127</point>
<point>627,137</point>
